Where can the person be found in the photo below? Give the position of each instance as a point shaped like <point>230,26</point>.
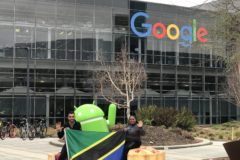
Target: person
<point>71,124</point>
<point>134,131</point>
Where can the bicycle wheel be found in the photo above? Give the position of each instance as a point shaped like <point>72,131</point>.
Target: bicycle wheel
<point>31,132</point>
<point>43,131</point>
<point>23,133</point>
<point>3,133</point>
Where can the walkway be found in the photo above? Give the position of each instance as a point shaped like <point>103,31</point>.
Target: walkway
<point>17,149</point>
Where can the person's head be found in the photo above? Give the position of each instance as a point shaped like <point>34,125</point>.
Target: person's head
<point>132,120</point>
<point>71,117</point>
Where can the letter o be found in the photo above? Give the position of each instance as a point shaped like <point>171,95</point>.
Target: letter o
<point>169,28</point>
<point>154,30</point>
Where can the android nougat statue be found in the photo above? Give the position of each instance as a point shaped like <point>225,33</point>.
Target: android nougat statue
<point>91,117</point>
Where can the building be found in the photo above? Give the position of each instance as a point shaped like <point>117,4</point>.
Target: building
<point>49,49</point>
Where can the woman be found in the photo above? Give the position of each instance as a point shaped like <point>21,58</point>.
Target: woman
<point>134,131</point>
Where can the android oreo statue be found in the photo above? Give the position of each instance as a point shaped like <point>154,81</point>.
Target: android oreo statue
<point>91,117</point>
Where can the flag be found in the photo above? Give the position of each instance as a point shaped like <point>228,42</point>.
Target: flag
<point>86,145</point>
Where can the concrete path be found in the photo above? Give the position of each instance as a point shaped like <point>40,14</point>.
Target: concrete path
<point>17,149</point>
<point>197,153</point>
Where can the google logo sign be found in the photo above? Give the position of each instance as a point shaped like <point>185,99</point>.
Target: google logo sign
<point>187,33</point>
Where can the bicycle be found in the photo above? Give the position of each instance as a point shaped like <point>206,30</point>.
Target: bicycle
<point>2,130</point>
<point>26,130</point>
<point>41,128</point>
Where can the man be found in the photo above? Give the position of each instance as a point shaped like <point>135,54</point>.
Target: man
<point>72,124</point>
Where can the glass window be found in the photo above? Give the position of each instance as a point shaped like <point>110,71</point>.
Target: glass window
<point>210,84</point>
<point>105,46</point>
<point>196,60</point>
<point>6,41</point>
<point>197,82</point>
<point>6,104</point>
<point>184,59</point>
<point>169,102</point>
<point>70,45</point>
<point>103,3</point>
<point>168,83</point>
<point>120,4</point>
<point>65,14</point>
<point>20,77</point>
<point>88,2</point>
<point>61,44</point>
<point>88,46</point>
<point>183,102</point>
<point>38,107</point>
<point>149,57</point>
<point>84,16</point>
<point>103,18</point>
<point>24,41</point>
<point>19,107</point>
<point>45,13</point>
<point>25,11</point>
<point>121,22</point>
<point>183,82</point>
<point>121,41</point>
<point>41,50</point>
<point>44,80</point>
<point>170,58</point>
<point>6,79</point>
<point>7,11</point>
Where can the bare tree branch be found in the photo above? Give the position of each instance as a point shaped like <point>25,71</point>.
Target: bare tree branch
<point>120,81</point>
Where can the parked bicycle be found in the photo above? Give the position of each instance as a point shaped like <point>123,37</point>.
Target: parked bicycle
<point>7,129</point>
<point>26,129</point>
<point>40,128</point>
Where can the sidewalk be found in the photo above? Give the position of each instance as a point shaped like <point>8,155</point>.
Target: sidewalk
<point>17,149</point>
<point>197,153</point>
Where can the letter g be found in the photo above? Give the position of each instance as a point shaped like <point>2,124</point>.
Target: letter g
<point>148,26</point>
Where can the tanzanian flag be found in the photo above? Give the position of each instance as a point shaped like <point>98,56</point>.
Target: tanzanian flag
<point>86,145</point>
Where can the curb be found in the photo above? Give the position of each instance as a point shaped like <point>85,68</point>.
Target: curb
<point>204,142</point>
<point>56,143</point>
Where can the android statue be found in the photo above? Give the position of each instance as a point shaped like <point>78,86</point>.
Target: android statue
<point>91,117</point>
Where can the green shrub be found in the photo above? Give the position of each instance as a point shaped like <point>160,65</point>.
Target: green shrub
<point>185,119</point>
<point>220,136</point>
<point>165,116</point>
<point>237,134</point>
<point>146,114</point>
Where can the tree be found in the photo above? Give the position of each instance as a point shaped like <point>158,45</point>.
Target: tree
<point>226,34</point>
<point>121,81</point>
<point>228,29</point>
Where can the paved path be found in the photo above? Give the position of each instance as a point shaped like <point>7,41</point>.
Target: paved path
<point>197,153</point>
<point>17,149</point>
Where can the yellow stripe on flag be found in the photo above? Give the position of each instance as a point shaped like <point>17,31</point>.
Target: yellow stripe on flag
<point>91,146</point>
<point>113,150</point>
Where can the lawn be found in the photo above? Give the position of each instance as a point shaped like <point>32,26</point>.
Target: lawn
<point>226,131</point>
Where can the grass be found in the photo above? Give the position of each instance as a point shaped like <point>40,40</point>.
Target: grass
<point>226,131</point>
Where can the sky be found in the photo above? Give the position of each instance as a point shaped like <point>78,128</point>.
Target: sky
<point>186,3</point>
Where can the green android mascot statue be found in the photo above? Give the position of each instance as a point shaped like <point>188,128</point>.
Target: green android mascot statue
<point>91,117</point>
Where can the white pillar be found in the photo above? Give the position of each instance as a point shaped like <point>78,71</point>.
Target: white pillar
<point>49,44</point>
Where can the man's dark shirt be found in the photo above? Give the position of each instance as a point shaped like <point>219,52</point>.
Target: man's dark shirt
<point>76,126</point>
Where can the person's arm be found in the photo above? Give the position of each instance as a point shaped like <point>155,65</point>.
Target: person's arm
<point>60,130</point>
<point>140,128</point>
<point>60,134</point>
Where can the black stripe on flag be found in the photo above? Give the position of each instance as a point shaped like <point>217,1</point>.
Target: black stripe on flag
<point>102,148</point>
